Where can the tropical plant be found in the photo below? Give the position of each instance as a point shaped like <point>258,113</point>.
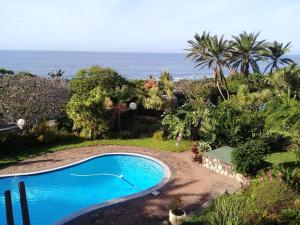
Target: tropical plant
<point>212,52</point>
<point>246,51</point>
<point>98,95</point>
<point>154,99</point>
<point>160,95</point>
<point>227,210</point>
<point>274,52</point>
<point>291,176</point>
<point>286,80</point>
<point>282,117</point>
<point>187,121</point>
<point>248,158</point>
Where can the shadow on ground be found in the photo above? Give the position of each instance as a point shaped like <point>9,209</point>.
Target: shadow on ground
<point>152,210</point>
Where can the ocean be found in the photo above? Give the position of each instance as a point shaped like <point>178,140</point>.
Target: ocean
<point>130,65</point>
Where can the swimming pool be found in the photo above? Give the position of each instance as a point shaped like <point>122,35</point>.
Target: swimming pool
<point>75,189</point>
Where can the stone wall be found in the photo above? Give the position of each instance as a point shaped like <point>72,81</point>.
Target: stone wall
<point>222,168</point>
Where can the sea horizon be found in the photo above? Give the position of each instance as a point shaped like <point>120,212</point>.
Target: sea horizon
<point>132,65</point>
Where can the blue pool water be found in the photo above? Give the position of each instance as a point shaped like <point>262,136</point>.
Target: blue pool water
<point>54,195</point>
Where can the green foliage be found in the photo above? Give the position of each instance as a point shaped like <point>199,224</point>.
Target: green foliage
<point>248,158</point>
<point>188,121</point>
<point>227,210</point>
<point>96,94</point>
<point>282,116</point>
<point>211,51</point>
<point>158,135</point>
<point>234,123</point>
<point>154,99</point>
<point>246,52</point>
<point>285,81</point>
<point>160,95</point>
<point>6,72</point>
<point>266,199</point>
<point>274,52</point>
<point>253,82</point>
<point>291,176</point>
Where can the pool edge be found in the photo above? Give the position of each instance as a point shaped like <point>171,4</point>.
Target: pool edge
<point>169,175</point>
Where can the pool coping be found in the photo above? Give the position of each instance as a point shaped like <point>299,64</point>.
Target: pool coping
<point>169,175</point>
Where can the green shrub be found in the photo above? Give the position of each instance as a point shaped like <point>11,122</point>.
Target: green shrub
<point>282,116</point>
<point>99,97</point>
<point>227,210</point>
<point>291,176</point>
<point>248,158</point>
<point>266,199</point>
<point>232,125</point>
<point>158,136</point>
<point>188,120</point>
<point>289,216</point>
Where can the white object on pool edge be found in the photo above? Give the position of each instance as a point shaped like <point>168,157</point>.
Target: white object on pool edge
<point>155,193</point>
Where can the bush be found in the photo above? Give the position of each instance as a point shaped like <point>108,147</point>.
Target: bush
<point>188,121</point>
<point>266,200</point>
<point>227,210</point>
<point>248,158</point>
<point>158,136</point>
<point>232,125</point>
<point>32,98</point>
<point>99,97</point>
<point>203,90</point>
<point>283,116</point>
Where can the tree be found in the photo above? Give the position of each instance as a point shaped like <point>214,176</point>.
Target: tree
<point>96,94</point>
<point>274,53</point>
<point>212,52</point>
<point>5,71</point>
<point>32,98</point>
<point>246,52</point>
<point>56,73</point>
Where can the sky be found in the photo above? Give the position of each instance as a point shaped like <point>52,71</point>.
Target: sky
<point>140,25</point>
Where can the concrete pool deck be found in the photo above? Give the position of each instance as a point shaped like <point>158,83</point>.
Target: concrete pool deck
<point>192,183</point>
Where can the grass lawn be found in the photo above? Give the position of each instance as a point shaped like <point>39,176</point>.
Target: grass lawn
<point>282,157</point>
<point>166,145</point>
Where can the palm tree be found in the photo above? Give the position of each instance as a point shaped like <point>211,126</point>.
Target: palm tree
<point>212,52</point>
<point>246,52</point>
<point>274,53</point>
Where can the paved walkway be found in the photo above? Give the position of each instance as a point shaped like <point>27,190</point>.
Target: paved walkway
<point>193,184</point>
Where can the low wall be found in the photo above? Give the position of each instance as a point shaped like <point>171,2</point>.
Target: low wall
<point>222,168</point>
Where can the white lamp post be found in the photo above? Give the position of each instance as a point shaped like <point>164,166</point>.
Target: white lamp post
<point>21,123</point>
<point>133,106</point>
